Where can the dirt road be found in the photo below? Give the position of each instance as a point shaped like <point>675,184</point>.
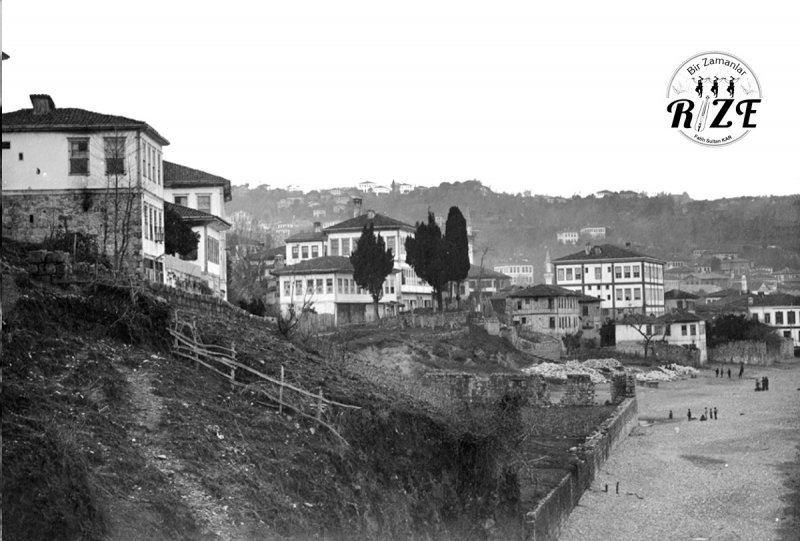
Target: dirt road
<point>713,480</point>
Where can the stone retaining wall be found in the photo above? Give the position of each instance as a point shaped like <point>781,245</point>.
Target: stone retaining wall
<point>47,265</point>
<point>544,523</point>
<point>474,388</point>
<point>747,352</point>
<point>183,299</point>
<point>580,391</point>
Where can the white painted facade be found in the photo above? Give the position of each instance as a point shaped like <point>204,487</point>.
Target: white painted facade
<point>784,319</point>
<point>685,333</point>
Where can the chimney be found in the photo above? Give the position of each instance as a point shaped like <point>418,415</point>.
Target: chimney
<point>587,248</point>
<point>42,104</point>
<point>356,207</point>
<point>371,214</point>
<point>317,227</point>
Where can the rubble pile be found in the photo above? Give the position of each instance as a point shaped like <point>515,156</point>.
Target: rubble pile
<point>594,368</point>
<point>669,372</point>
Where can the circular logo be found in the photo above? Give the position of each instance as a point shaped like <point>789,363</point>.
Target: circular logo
<point>713,99</point>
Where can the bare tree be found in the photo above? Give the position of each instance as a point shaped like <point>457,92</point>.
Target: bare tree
<point>294,315</point>
<point>484,250</point>
<point>647,327</point>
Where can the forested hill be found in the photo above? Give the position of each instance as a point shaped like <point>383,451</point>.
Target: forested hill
<point>517,227</point>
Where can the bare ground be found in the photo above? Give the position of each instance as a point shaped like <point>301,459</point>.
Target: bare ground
<point>733,478</point>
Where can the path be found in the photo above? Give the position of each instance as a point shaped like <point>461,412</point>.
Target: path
<point>714,480</point>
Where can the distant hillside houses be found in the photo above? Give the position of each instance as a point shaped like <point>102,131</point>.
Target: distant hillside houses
<point>593,232</point>
<point>568,237</point>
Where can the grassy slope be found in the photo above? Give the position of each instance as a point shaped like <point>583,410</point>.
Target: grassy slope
<point>107,436</point>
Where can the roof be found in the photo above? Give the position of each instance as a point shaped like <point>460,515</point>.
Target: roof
<point>475,273</point>
<point>776,299</point>
<point>180,176</point>
<point>194,216</point>
<point>545,290</point>
<point>675,294</point>
<point>306,236</point>
<point>679,317</point>
<point>328,263</point>
<point>732,292</point>
<point>604,252</point>
<point>379,221</point>
<point>69,119</point>
<point>588,298</point>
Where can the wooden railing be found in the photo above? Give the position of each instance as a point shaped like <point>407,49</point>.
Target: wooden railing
<point>222,361</point>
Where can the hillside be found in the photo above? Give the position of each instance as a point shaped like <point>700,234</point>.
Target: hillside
<point>108,436</point>
<point>522,226</point>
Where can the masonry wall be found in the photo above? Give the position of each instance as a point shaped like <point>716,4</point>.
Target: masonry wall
<point>473,388</point>
<point>36,217</point>
<point>750,353</point>
<point>544,523</point>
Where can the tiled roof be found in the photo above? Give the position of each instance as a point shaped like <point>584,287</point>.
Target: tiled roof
<point>328,263</point>
<point>544,290</point>
<point>180,176</point>
<point>776,299</point>
<point>724,293</point>
<point>604,252</point>
<point>306,236</point>
<point>675,294</point>
<point>487,274</point>
<point>378,222</point>
<point>588,298</point>
<point>193,215</point>
<point>679,317</point>
<point>73,120</point>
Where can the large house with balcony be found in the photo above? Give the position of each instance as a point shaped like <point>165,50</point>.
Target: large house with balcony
<point>66,169</point>
<point>625,281</point>
<point>544,308</point>
<point>318,270</point>
<point>199,199</point>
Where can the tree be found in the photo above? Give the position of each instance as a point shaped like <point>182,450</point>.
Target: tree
<point>458,249</point>
<point>426,252</point>
<point>646,326</point>
<point>121,192</point>
<point>178,235</point>
<point>372,263</point>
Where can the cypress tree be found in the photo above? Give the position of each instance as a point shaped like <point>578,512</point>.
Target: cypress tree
<point>426,252</point>
<point>372,263</point>
<point>457,248</point>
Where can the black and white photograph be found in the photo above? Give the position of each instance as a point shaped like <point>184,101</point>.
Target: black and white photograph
<point>425,271</point>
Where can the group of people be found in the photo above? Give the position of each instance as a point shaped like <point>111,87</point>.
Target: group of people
<point>720,373</point>
<point>762,384</point>
<point>707,415</point>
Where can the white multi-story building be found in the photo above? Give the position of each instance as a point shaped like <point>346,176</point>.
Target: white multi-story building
<point>593,232</point>
<point>568,237</point>
<point>780,311</point>
<point>625,281</point>
<point>199,198</point>
<point>521,273</point>
<point>65,168</point>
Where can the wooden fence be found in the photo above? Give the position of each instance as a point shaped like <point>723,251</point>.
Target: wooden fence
<point>222,360</point>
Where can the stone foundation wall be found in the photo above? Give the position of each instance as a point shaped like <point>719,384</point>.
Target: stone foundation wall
<point>180,299</point>
<point>622,386</point>
<point>474,388</point>
<point>37,217</point>
<point>46,265</point>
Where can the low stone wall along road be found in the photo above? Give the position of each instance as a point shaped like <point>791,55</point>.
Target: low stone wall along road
<point>735,478</point>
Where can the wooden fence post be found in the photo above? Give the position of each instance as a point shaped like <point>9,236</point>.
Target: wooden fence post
<point>280,394</point>
<point>319,404</point>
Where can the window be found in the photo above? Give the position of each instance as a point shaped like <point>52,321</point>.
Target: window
<point>767,319</point>
<point>287,288</point>
<point>346,247</point>
<point>790,317</point>
<point>334,246</point>
<point>390,242</point>
<point>339,285</point>
<point>310,285</point>
<point>598,272</point>
<point>552,322</point>
<point>585,311</point>
<point>524,320</point>
<point>298,287</point>
<point>569,274</point>
<point>519,305</point>
<point>668,330</point>
<point>560,275</point>
<point>212,250</point>
<point>315,251</point>
<point>578,273</point>
<point>329,286</point>
<point>693,330</point>
<point>778,318</point>
<point>787,334</point>
<point>619,294</point>
<point>79,156</point>
<point>182,200</point>
<point>115,155</point>
<point>637,294</point>
<point>21,156</point>
<point>683,330</point>
<point>627,271</point>
<point>755,318</point>
<point>636,271</point>
<point>295,251</point>
<point>627,293</point>
<point>304,252</point>
<point>618,272</point>
<point>204,203</point>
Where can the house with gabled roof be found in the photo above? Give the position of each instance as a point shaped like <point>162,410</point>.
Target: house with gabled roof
<point>544,308</point>
<point>780,311</point>
<point>624,280</point>
<point>65,169</point>
<point>683,329</point>
<point>677,300</point>
<point>199,199</point>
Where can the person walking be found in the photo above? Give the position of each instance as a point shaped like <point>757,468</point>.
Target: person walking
<point>716,372</point>
<point>715,413</point>
<point>741,369</point>
<point>729,373</point>
<point>689,414</point>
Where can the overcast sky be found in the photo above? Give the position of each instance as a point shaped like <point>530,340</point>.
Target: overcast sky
<point>557,98</point>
